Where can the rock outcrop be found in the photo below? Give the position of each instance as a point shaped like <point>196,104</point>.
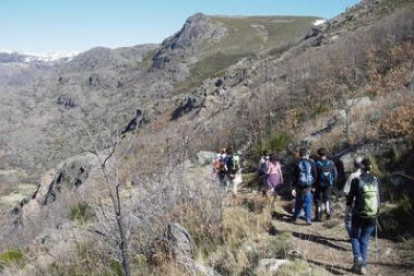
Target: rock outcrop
<point>71,173</point>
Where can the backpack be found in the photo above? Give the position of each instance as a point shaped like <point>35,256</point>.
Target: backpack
<point>219,164</point>
<point>233,165</point>
<point>263,168</point>
<point>325,170</point>
<point>367,204</point>
<point>305,174</point>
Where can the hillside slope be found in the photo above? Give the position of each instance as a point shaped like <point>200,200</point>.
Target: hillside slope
<point>275,83</point>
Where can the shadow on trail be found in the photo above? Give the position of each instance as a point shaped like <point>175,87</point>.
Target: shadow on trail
<point>397,266</point>
<point>320,240</point>
<point>282,217</point>
<point>334,269</point>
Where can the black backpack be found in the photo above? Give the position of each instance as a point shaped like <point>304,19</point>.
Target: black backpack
<point>233,164</point>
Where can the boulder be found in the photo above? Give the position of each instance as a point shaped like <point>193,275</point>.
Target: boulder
<point>190,103</point>
<point>205,157</point>
<point>179,241</point>
<point>136,122</point>
<point>73,172</point>
<point>271,265</point>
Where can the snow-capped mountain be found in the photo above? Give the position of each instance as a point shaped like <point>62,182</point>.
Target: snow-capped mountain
<point>21,57</point>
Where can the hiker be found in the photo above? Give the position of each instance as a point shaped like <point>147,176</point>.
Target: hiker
<point>274,176</point>
<point>326,178</point>
<point>347,188</point>
<point>262,171</point>
<point>304,177</point>
<point>219,166</point>
<point>232,166</point>
<point>364,196</point>
<point>236,164</point>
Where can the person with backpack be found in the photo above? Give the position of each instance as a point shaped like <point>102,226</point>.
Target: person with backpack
<point>219,166</point>
<point>326,178</point>
<point>237,167</point>
<point>232,166</point>
<point>304,177</point>
<point>274,176</point>
<point>363,201</point>
<point>262,171</point>
<point>347,187</point>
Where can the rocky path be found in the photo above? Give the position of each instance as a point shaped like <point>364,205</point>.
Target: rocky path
<point>325,244</point>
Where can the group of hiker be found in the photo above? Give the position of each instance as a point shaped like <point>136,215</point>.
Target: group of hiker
<point>312,184</point>
<point>226,167</point>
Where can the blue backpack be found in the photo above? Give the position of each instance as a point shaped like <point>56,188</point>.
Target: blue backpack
<point>325,171</point>
<point>306,178</point>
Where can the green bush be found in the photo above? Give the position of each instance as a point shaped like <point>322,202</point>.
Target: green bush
<point>397,222</point>
<point>279,142</point>
<point>81,212</point>
<point>116,268</point>
<point>13,256</point>
<point>320,109</point>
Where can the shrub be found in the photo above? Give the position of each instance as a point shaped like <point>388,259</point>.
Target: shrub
<point>81,212</point>
<point>13,256</point>
<point>397,222</point>
<point>280,142</point>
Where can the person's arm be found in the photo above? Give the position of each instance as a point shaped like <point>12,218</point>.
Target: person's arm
<point>269,168</point>
<point>379,192</point>
<point>347,186</point>
<point>295,175</point>
<point>352,193</point>
<point>335,172</point>
<point>314,171</point>
<point>279,171</point>
<point>350,198</point>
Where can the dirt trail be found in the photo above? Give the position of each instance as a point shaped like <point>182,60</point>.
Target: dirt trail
<point>326,244</point>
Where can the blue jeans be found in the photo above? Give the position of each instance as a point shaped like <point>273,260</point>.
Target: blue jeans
<point>360,235</point>
<point>304,200</point>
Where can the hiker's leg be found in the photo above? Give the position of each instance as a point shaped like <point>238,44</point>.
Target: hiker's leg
<point>348,224</point>
<point>298,204</point>
<point>355,235</point>
<point>366,233</point>
<point>308,206</point>
<point>235,186</point>
<point>318,201</point>
<point>327,199</point>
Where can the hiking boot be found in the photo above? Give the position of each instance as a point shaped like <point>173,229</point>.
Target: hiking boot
<point>318,214</point>
<point>363,270</point>
<point>328,216</point>
<point>357,267</point>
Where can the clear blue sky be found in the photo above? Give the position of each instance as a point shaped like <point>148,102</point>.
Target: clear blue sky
<point>77,25</point>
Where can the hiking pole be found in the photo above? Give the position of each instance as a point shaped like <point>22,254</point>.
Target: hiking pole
<point>376,241</point>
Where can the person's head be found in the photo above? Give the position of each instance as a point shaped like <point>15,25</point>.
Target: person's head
<point>272,158</point>
<point>223,151</point>
<point>366,164</point>
<point>358,162</point>
<point>322,152</point>
<point>303,153</point>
